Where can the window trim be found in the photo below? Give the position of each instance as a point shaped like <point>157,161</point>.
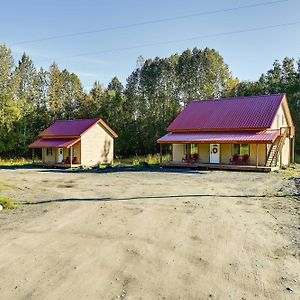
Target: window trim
<point>249,152</point>
<point>188,148</point>
<point>49,151</point>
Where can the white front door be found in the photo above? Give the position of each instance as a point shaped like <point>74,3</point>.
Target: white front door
<point>214,153</point>
<point>60,155</point>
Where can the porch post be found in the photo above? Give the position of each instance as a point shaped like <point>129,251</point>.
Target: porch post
<point>71,158</point>
<point>293,150</point>
<point>256,155</point>
<point>32,155</point>
<point>160,153</point>
<point>280,159</point>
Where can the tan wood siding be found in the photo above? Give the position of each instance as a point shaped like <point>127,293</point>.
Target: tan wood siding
<point>226,153</point>
<point>49,159</point>
<point>97,146</point>
<point>280,119</point>
<point>178,152</point>
<point>262,157</point>
<point>203,150</point>
<point>286,150</point>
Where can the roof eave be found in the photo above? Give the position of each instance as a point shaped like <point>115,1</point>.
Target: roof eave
<point>59,136</point>
<point>218,129</point>
<point>105,125</point>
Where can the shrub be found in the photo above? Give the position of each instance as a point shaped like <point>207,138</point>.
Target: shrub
<point>7,203</point>
<point>15,162</point>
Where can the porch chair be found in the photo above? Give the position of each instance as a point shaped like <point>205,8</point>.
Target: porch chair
<point>245,158</point>
<point>235,159</point>
<point>195,157</point>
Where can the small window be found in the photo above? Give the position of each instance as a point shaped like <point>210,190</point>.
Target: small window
<point>194,148</point>
<point>49,151</point>
<point>278,121</point>
<point>236,149</point>
<point>241,149</point>
<point>282,120</point>
<point>191,148</point>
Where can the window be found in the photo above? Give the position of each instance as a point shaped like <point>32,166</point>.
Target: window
<point>191,148</point>
<point>194,148</point>
<point>73,151</point>
<point>278,121</point>
<point>49,151</point>
<point>282,120</point>
<point>241,149</point>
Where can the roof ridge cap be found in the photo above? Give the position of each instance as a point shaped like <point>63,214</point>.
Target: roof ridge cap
<point>77,120</point>
<point>235,98</point>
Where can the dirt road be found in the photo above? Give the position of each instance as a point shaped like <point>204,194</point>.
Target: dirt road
<point>149,235</point>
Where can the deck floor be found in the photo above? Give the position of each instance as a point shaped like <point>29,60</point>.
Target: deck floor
<point>217,166</point>
<point>62,166</point>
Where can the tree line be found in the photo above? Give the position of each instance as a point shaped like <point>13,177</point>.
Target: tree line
<point>140,111</point>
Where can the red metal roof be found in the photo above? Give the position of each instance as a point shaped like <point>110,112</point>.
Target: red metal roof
<point>68,127</point>
<point>247,137</point>
<point>54,143</point>
<point>255,112</point>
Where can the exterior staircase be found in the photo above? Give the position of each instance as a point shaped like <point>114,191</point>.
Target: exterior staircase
<point>276,148</point>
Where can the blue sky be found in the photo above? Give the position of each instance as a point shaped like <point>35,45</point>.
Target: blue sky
<point>248,54</point>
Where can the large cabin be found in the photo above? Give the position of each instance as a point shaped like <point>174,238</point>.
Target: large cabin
<point>74,143</point>
<point>250,133</point>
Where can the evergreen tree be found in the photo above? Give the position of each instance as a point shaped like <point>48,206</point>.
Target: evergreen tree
<point>10,112</point>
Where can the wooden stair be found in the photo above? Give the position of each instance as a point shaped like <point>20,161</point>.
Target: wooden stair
<point>276,148</point>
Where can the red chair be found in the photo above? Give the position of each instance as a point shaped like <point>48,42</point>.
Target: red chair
<point>245,158</point>
<point>195,157</point>
<point>235,159</point>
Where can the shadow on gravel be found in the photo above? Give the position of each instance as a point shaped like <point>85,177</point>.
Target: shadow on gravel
<point>19,167</point>
<point>153,197</point>
<point>297,184</point>
<point>126,169</point>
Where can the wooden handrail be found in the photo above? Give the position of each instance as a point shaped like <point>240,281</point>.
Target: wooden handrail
<point>283,133</point>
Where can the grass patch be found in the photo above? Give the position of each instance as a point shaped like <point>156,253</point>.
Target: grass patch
<point>292,172</point>
<point>15,162</point>
<point>137,161</point>
<point>7,203</point>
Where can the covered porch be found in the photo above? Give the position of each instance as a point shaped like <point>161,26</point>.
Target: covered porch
<point>220,150</point>
<point>58,152</point>
<point>208,166</point>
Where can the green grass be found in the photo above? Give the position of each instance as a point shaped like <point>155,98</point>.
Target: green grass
<point>135,161</point>
<point>15,162</point>
<point>7,203</point>
<point>291,173</point>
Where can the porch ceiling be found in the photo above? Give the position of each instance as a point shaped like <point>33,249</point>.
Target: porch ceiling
<point>260,137</point>
<point>54,143</point>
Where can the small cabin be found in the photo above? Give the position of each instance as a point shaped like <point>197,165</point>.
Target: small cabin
<point>74,143</point>
<point>247,133</point>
